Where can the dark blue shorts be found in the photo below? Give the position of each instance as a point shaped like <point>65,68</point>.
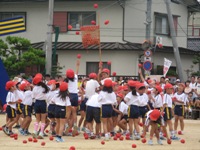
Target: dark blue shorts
<point>125,117</point>
<point>114,113</point>
<point>106,111</point>
<point>143,110</point>
<point>51,111</point>
<point>168,114</point>
<point>27,110</point>
<point>83,105</point>
<point>20,108</point>
<point>40,107</point>
<point>10,112</point>
<point>93,113</point>
<point>60,112</point>
<point>133,112</point>
<point>73,99</point>
<point>179,110</point>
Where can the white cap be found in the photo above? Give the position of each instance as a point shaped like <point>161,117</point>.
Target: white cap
<point>166,79</point>
<point>178,80</point>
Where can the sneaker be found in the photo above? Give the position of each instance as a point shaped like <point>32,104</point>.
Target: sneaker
<point>11,133</point>
<point>131,137</point>
<point>34,135</point>
<point>79,130</point>
<point>162,138</point>
<point>59,139</point>
<point>83,129</point>
<point>21,131</point>
<point>5,130</point>
<point>159,142</point>
<point>40,136</point>
<point>53,133</point>
<point>45,135</point>
<point>28,132</point>
<point>137,137</point>
<point>98,136</point>
<point>150,142</point>
<point>175,138</point>
<point>92,135</point>
<point>107,137</point>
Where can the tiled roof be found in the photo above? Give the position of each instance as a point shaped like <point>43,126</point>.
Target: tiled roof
<point>111,46</point>
<point>194,44</point>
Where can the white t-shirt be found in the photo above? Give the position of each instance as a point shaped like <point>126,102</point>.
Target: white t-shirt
<point>123,108</point>
<point>91,87</point>
<point>131,99</point>
<point>107,98</point>
<point>167,99</point>
<point>181,97</point>
<point>19,95</point>
<point>50,95</point>
<point>143,100</point>
<point>60,102</point>
<point>38,93</point>
<point>28,100</point>
<point>162,86</point>
<point>11,98</point>
<point>158,103</point>
<point>73,86</point>
<point>194,87</point>
<point>198,88</point>
<point>93,101</point>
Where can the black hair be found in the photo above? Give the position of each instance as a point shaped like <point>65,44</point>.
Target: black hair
<point>57,85</point>
<point>47,75</point>
<point>63,94</point>
<point>133,89</point>
<point>162,78</point>
<point>107,89</point>
<point>17,85</point>
<point>198,77</point>
<point>190,93</point>
<point>141,88</point>
<point>71,79</point>
<point>42,84</point>
<point>192,76</point>
<point>187,82</point>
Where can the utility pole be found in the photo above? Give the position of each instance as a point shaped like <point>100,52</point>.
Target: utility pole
<point>174,41</point>
<point>49,38</point>
<point>148,19</point>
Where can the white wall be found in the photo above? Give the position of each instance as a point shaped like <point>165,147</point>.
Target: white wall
<point>135,17</point>
<point>123,62</point>
<point>37,19</point>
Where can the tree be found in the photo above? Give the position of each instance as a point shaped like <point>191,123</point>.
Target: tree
<point>196,60</point>
<point>17,54</point>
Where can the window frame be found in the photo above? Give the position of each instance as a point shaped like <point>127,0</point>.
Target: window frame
<point>80,12</point>
<point>25,16</point>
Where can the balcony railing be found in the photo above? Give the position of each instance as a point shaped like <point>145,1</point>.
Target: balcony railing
<point>194,30</point>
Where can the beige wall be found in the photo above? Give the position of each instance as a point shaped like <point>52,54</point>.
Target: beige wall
<point>135,17</point>
<point>123,62</point>
<point>37,19</point>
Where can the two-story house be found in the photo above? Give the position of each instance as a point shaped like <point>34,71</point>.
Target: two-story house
<point>121,39</point>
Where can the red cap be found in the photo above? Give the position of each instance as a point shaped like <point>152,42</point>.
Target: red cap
<point>108,83</point>
<point>132,83</point>
<point>182,84</point>
<point>38,75</point>
<point>63,86</point>
<point>92,75</point>
<point>125,88</point>
<point>120,95</point>
<point>4,107</point>
<point>158,88</point>
<point>120,88</point>
<point>36,80</point>
<point>114,83</point>
<point>154,115</point>
<point>51,82</point>
<point>22,86</point>
<point>70,73</point>
<point>10,84</point>
<point>168,86</point>
<point>139,85</point>
<point>150,81</point>
<point>105,70</point>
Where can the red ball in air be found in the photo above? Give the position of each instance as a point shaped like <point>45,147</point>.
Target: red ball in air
<point>106,22</point>
<point>109,63</point>
<point>93,22</point>
<point>77,32</point>
<point>69,27</point>
<point>78,56</point>
<point>114,73</point>
<point>96,6</point>
<point>140,65</point>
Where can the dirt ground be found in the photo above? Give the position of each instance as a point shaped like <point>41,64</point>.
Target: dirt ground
<point>191,136</point>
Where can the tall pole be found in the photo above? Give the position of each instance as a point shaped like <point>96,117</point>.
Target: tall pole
<point>49,38</point>
<point>174,41</point>
<point>148,19</point>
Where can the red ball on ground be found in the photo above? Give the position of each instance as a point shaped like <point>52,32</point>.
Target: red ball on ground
<point>142,136</point>
<point>16,137</point>
<point>134,145</point>
<point>47,131</point>
<point>35,140</point>
<point>77,32</point>
<point>121,138</point>
<point>43,144</point>
<point>182,141</point>
<point>12,135</point>
<point>86,137</point>
<point>127,137</point>
<point>144,140</point>
<point>115,138</point>
<point>78,56</point>
<point>164,134</point>
<point>179,132</point>
<point>0,128</point>
<point>102,142</point>
<point>51,138</point>
<point>96,6</point>
<point>169,141</point>
<point>118,135</point>
<point>128,134</point>
<point>72,148</point>
<point>30,139</point>
<point>140,65</point>
<point>24,141</point>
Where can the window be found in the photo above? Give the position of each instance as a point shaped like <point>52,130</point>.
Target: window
<point>94,67</point>
<point>171,71</point>
<point>78,19</point>
<point>162,24</point>
<point>7,15</point>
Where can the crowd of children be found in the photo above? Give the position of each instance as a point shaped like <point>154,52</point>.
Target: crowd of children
<point>107,103</point>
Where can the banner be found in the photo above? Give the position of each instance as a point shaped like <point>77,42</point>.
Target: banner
<point>167,64</point>
<point>12,25</point>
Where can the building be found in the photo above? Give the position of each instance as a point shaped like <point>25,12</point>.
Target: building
<point>121,39</point>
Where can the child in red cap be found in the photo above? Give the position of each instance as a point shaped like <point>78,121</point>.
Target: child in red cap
<point>154,119</point>
<point>107,99</point>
